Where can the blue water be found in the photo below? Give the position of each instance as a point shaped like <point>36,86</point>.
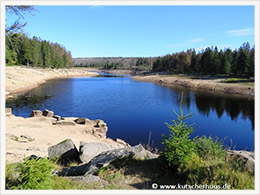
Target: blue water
<point>132,109</point>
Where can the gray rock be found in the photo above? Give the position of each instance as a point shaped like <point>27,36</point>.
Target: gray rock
<point>145,155</point>
<point>65,151</point>
<point>101,160</point>
<point>88,150</point>
<point>8,111</point>
<point>66,123</point>
<point>57,117</point>
<point>48,113</point>
<point>36,113</point>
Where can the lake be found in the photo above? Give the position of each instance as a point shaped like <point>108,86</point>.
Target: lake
<point>132,109</point>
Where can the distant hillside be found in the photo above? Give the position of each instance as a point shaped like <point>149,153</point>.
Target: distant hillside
<point>113,62</point>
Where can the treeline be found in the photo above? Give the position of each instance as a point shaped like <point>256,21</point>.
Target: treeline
<point>210,61</point>
<point>21,50</point>
<point>114,62</point>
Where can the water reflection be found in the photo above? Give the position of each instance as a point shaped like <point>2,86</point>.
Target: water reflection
<point>233,106</point>
<point>32,101</point>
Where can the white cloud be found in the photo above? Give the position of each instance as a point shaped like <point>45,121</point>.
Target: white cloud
<point>240,32</point>
<point>196,40</point>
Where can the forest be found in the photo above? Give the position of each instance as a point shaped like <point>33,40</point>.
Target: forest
<point>21,50</point>
<point>211,61</point>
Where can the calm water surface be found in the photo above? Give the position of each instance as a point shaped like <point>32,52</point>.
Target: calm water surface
<point>132,109</point>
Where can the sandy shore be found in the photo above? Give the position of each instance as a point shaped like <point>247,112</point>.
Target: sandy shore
<point>44,134</point>
<point>214,85</point>
<point>21,78</point>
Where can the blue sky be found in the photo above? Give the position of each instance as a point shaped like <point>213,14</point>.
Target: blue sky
<point>133,31</point>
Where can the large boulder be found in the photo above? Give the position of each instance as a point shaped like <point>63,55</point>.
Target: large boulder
<point>64,151</point>
<point>101,160</point>
<point>36,113</point>
<point>88,150</point>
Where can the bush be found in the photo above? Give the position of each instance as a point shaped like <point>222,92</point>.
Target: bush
<point>209,149</point>
<point>34,174</point>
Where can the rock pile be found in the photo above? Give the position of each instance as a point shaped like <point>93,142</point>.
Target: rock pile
<point>96,127</point>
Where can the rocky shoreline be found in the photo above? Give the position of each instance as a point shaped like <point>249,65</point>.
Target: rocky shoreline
<point>45,135</point>
<point>34,135</point>
<point>213,85</point>
<point>22,78</point>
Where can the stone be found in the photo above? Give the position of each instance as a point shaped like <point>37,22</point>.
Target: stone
<point>36,113</point>
<point>100,161</point>
<point>100,128</point>
<point>64,151</point>
<point>100,133</point>
<point>57,117</point>
<point>48,113</point>
<point>88,150</point>
<point>8,111</point>
<point>99,123</point>
<point>145,155</point>
<point>64,122</point>
<point>25,138</point>
<point>80,121</point>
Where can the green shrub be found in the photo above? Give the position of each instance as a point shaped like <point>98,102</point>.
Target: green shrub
<point>36,174</point>
<point>209,149</point>
<point>33,174</point>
